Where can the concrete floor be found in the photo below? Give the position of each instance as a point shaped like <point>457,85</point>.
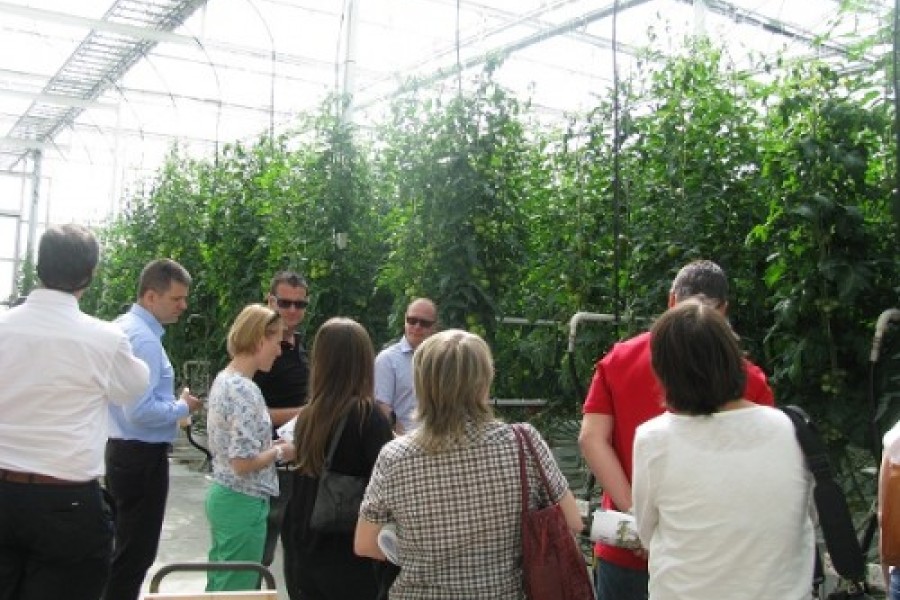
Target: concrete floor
<point>185,534</point>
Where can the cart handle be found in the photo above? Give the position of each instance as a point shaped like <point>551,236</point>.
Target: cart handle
<point>213,566</point>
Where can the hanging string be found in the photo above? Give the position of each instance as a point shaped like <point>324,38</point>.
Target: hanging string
<point>458,61</point>
<point>617,182</point>
<point>896,86</point>
<point>337,61</point>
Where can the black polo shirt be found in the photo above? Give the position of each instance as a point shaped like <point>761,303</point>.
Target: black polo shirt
<point>286,384</point>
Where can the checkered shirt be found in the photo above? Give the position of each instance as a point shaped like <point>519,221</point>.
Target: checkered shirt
<point>458,513</point>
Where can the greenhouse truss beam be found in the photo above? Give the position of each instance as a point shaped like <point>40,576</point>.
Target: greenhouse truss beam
<point>746,16</point>
<point>99,61</point>
<point>534,21</point>
<point>520,44</point>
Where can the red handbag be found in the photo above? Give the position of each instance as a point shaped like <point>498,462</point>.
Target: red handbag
<point>889,539</point>
<point>552,564</point>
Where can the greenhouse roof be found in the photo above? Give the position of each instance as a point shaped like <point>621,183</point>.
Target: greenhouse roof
<point>93,93</point>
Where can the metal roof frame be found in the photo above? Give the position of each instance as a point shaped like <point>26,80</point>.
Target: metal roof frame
<point>125,34</point>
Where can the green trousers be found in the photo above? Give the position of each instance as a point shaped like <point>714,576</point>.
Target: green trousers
<point>238,526</point>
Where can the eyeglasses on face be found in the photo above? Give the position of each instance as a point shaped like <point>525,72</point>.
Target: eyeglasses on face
<point>413,321</point>
<point>285,303</point>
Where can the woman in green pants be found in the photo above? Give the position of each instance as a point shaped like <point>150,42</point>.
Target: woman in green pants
<point>244,456</point>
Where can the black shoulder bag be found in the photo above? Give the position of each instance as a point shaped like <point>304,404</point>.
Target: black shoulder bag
<point>834,515</point>
<point>338,496</point>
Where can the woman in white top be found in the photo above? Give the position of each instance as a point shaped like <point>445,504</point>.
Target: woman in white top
<point>891,455</point>
<point>244,457</point>
<point>721,490</point>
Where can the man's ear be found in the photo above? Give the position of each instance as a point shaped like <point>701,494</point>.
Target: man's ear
<point>672,300</point>
<point>149,298</point>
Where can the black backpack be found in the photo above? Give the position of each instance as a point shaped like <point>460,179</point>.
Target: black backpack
<point>834,515</point>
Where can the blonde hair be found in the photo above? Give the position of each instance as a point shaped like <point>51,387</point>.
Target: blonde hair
<point>452,371</point>
<point>254,323</point>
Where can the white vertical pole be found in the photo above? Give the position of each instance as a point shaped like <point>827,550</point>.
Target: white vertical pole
<point>37,159</point>
<point>114,179</point>
<point>349,85</point>
<point>700,19</point>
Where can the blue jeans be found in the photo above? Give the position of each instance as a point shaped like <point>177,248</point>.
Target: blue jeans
<point>895,584</point>
<point>612,582</point>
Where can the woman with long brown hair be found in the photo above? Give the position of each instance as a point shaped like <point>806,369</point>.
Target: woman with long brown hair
<point>322,565</point>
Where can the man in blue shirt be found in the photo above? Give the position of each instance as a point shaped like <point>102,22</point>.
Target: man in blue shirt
<point>393,366</point>
<point>137,462</point>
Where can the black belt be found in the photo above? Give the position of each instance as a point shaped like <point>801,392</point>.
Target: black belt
<point>20,477</point>
<point>139,445</point>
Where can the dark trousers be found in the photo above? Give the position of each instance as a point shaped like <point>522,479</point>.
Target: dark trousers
<point>137,477</point>
<point>328,577</point>
<point>55,541</point>
<point>277,509</point>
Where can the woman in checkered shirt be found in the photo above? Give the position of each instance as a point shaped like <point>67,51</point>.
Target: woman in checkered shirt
<point>452,486</point>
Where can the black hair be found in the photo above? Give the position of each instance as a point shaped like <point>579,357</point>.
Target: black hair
<point>67,257</point>
<point>701,277</point>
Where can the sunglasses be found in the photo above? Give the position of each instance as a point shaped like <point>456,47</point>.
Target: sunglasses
<point>417,321</point>
<point>285,303</point>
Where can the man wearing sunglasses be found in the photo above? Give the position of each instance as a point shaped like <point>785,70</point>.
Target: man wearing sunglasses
<point>393,366</point>
<point>284,389</point>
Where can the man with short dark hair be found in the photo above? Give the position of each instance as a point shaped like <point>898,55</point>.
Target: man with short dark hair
<point>137,453</point>
<point>61,369</point>
<point>284,389</point>
<point>394,391</point>
<point>625,393</point>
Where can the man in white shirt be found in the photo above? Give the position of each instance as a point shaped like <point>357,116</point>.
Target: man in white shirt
<point>61,369</point>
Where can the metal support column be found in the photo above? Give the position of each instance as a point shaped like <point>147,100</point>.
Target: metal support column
<point>37,159</point>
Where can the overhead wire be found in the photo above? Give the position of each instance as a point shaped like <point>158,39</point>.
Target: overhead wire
<point>273,66</point>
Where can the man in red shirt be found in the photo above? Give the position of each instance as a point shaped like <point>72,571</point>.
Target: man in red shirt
<point>624,393</point>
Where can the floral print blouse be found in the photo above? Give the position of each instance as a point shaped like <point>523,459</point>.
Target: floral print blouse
<point>238,426</point>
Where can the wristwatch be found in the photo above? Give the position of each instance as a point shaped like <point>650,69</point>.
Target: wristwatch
<point>279,454</point>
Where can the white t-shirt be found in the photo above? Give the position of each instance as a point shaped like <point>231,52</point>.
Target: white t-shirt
<point>723,505</point>
<point>892,443</point>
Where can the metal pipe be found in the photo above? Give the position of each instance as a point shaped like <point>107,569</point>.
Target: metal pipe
<point>585,316</point>
<point>884,319</point>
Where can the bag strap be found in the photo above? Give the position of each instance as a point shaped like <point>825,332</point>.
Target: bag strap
<point>523,475</point>
<point>334,442</point>
<point>831,505</point>
<point>522,437</point>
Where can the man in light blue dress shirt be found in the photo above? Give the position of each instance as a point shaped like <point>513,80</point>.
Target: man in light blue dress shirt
<point>394,391</point>
<point>137,462</point>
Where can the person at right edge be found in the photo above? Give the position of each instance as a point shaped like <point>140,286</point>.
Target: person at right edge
<point>624,393</point>
<point>890,456</point>
<point>284,388</point>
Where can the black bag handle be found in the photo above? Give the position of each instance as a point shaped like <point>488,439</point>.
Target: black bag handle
<point>334,442</point>
<point>831,505</point>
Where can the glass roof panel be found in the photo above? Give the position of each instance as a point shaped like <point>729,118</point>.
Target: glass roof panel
<point>235,69</point>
